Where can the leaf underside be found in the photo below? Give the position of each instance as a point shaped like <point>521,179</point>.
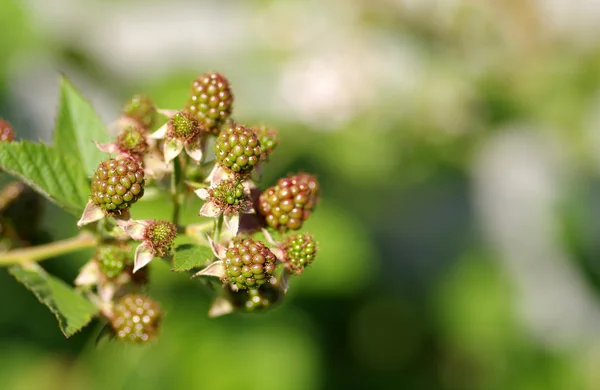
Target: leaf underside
<point>72,310</point>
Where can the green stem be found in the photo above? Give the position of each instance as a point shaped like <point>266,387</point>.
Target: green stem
<point>218,227</point>
<point>46,251</point>
<point>175,190</point>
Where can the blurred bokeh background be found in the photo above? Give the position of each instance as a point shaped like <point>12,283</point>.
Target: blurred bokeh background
<point>457,143</point>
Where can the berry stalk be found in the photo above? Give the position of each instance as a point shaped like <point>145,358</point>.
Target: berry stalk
<point>176,190</point>
<point>218,227</point>
<point>47,251</point>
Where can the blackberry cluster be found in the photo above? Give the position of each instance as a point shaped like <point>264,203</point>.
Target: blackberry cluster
<point>117,184</point>
<point>136,319</point>
<point>300,250</point>
<point>111,260</point>
<point>248,263</point>
<point>238,149</point>
<point>288,204</point>
<point>211,101</point>
<point>141,109</point>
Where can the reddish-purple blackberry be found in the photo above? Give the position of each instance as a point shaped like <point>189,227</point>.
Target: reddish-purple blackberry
<point>289,203</point>
<point>312,183</point>
<point>7,134</point>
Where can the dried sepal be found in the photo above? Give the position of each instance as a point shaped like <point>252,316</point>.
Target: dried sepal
<point>91,213</point>
<point>220,307</point>
<point>143,256</point>
<point>215,269</point>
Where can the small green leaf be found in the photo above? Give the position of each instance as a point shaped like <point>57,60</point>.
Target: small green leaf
<point>188,256</point>
<point>72,311</point>
<point>77,127</point>
<point>51,173</point>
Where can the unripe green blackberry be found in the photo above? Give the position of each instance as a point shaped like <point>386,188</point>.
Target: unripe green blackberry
<point>299,251</point>
<point>256,299</point>
<point>132,140</point>
<point>182,126</point>
<point>211,101</point>
<point>288,204</point>
<point>268,140</point>
<point>7,133</point>
<point>141,109</point>
<point>248,263</point>
<point>229,196</point>
<point>238,149</point>
<point>117,184</point>
<point>136,319</point>
<point>160,235</point>
<point>111,260</point>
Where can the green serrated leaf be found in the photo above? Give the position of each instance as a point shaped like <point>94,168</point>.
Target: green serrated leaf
<point>188,257</point>
<point>51,173</point>
<point>77,127</point>
<point>72,311</point>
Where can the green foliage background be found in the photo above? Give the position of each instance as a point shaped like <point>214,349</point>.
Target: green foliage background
<point>410,289</point>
